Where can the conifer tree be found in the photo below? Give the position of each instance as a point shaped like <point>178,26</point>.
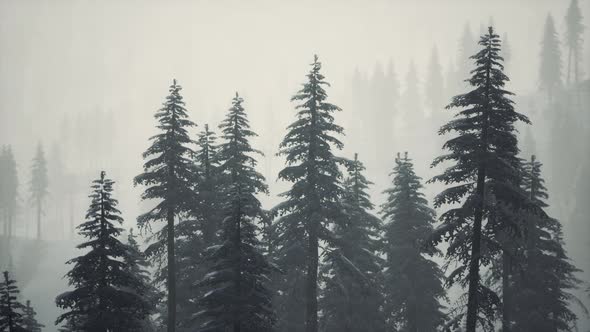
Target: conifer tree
<point>485,164</point>
<point>547,275</point>
<point>11,310</point>
<point>237,297</point>
<point>352,297</point>
<point>30,322</point>
<point>108,294</point>
<point>550,69</point>
<point>574,41</point>
<point>312,204</point>
<point>8,190</point>
<point>137,265</point>
<point>413,282</point>
<point>411,98</point>
<point>434,86</point>
<point>169,175</point>
<point>38,184</point>
<point>207,160</point>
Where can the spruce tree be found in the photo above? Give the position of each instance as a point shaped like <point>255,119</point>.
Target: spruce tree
<point>108,294</point>
<point>485,164</point>
<point>546,276</point>
<point>237,297</point>
<point>137,265</point>
<point>38,185</point>
<point>434,86</point>
<point>313,203</point>
<point>207,161</point>
<point>352,296</point>
<point>550,67</point>
<point>574,34</point>
<point>169,175</point>
<point>30,322</point>
<point>414,287</point>
<point>11,310</point>
<point>9,190</point>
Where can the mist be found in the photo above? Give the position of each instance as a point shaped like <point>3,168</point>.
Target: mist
<point>83,79</point>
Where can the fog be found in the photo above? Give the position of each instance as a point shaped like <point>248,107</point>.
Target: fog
<point>84,79</point>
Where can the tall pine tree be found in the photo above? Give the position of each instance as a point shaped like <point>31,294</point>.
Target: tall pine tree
<point>108,295</point>
<point>30,322</point>
<point>352,297</point>
<point>483,157</point>
<point>38,185</point>
<point>313,203</point>
<point>169,175</point>
<point>414,283</point>
<point>546,275</point>
<point>574,33</point>
<point>237,297</point>
<point>550,67</point>
<point>11,310</point>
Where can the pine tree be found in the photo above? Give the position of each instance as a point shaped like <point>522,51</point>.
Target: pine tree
<point>411,98</point>
<point>38,185</point>
<point>485,164</point>
<point>352,296</point>
<point>9,190</point>
<point>11,310</point>
<point>137,265</point>
<point>237,297</point>
<point>207,161</point>
<point>574,41</point>
<point>550,69</point>
<point>547,274</point>
<point>413,282</point>
<point>30,322</point>
<point>434,86</point>
<point>169,174</point>
<point>313,203</point>
<point>200,231</point>
<point>107,295</point>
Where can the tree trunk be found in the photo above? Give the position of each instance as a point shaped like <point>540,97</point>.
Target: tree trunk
<point>506,271</point>
<point>38,220</point>
<point>312,277</point>
<point>472,302</point>
<point>238,270</point>
<point>171,273</point>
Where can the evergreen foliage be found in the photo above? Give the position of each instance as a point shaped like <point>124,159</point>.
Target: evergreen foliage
<point>237,297</point>
<point>483,165</point>
<point>312,204</point>
<point>30,322</point>
<point>110,293</point>
<point>11,310</point>
<point>550,68</point>
<point>414,283</point>
<point>170,176</point>
<point>352,296</point>
<point>38,185</point>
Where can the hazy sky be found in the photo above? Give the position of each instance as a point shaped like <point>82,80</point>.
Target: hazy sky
<point>61,58</point>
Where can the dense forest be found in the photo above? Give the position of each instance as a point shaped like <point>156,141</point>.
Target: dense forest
<point>351,239</point>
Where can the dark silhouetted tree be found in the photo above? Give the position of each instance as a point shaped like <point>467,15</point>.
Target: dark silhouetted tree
<point>550,68</point>
<point>312,204</point>
<point>237,297</point>
<point>414,287</point>
<point>11,310</point>
<point>30,322</point>
<point>483,163</point>
<point>574,33</point>
<point>109,294</point>
<point>352,296</point>
<point>38,185</point>
<point>541,294</point>
<point>169,175</point>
